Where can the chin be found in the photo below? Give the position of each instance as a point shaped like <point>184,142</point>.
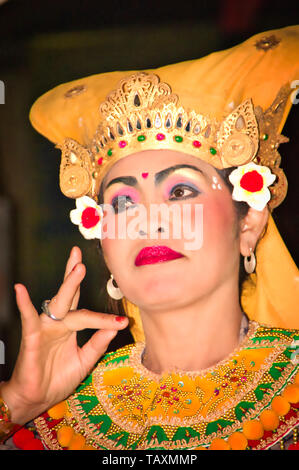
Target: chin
<point>157,291</point>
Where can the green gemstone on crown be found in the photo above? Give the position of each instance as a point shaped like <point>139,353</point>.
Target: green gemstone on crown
<point>178,138</point>
<point>109,153</point>
<point>213,150</point>
<point>265,136</point>
<point>141,138</point>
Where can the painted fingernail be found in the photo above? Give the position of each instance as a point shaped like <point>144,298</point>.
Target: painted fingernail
<point>74,267</point>
<point>120,319</point>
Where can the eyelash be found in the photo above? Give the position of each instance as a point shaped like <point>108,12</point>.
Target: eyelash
<point>195,192</point>
<point>115,201</point>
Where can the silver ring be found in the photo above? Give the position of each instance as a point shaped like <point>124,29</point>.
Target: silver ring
<point>46,310</point>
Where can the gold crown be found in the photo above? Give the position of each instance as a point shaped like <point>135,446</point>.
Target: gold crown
<point>143,114</point>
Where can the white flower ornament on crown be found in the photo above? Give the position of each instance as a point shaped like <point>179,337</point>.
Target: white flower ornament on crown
<point>251,183</point>
<point>88,215</point>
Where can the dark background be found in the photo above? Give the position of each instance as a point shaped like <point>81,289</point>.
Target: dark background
<point>45,43</point>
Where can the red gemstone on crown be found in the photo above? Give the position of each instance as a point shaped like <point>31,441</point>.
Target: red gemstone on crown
<point>122,144</point>
<point>160,136</point>
<point>196,143</point>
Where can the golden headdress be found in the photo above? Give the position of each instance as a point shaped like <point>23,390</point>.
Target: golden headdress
<point>227,108</point>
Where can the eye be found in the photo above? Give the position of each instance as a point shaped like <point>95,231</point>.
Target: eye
<point>120,203</point>
<point>183,191</point>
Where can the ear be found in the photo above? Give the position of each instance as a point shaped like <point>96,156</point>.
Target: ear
<point>252,227</point>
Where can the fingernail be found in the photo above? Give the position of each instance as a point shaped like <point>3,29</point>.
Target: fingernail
<point>74,267</point>
<point>120,319</point>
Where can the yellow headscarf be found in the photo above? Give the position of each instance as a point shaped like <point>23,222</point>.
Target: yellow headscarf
<point>255,69</point>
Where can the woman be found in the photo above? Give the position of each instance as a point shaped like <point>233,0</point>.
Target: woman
<point>212,367</point>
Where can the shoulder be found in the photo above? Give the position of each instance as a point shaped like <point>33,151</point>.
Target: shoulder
<point>282,342</point>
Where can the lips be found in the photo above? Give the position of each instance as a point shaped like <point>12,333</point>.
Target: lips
<point>156,254</point>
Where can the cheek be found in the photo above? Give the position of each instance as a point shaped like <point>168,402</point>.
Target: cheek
<point>219,220</point>
<point>113,251</point>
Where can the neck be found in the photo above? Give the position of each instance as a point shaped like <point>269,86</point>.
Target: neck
<point>193,337</point>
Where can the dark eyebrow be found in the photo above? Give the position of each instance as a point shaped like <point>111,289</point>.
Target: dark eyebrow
<point>129,180</point>
<point>159,177</point>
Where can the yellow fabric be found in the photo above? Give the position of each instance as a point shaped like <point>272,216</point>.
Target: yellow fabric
<point>272,293</point>
<point>209,86</point>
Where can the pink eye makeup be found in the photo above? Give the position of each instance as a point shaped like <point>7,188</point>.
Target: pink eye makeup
<point>119,199</point>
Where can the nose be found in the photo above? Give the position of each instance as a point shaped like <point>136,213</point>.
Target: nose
<point>153,220</point>
<point>142,233</point>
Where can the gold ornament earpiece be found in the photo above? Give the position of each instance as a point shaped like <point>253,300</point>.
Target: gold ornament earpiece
<point>238,136</point>
<point>75,170</point>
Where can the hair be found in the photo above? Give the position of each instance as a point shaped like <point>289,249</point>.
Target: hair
<point>241,210</point>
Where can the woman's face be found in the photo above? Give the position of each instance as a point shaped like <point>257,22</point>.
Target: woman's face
<point>193,197</point>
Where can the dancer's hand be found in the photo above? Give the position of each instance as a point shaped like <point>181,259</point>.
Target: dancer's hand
<point>50,364</point>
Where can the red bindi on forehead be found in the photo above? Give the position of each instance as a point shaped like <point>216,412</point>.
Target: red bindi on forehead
<point>144,175</point>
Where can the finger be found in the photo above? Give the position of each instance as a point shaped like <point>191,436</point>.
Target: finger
<point>62,302</point>
<point>74,258</point>
<point>92,351</point>
<point>82,319</point>
<point>29,315</point>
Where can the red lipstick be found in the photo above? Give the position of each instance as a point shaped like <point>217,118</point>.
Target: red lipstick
<point>156,254</point>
